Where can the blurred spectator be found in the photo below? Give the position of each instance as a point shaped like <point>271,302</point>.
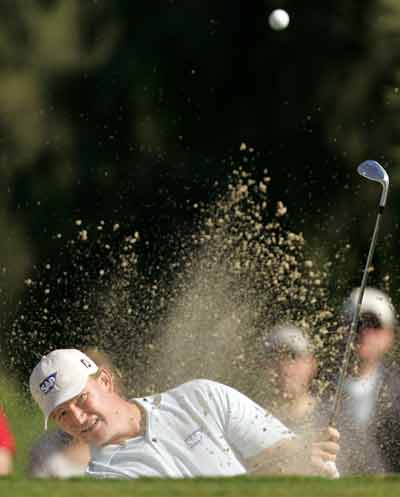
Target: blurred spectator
<point>56,454</point>
<point>291,368</point>
<point>369,418</point>
<point>7,446</point>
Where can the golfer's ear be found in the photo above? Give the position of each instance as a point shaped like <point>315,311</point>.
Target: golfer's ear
<point>314,365</point>
<point>105,380</point>
<point>388,338</point>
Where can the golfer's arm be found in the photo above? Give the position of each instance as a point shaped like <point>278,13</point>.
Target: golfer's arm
<point>287,457</point>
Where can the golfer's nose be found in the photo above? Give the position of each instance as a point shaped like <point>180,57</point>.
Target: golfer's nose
<point>76,415</point>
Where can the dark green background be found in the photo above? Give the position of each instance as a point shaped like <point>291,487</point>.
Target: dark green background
<point>130,112</point>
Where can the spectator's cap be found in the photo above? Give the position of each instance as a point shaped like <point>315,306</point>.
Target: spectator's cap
<point>375,304</point>
<point>288,339</point>
<point>58,377</point>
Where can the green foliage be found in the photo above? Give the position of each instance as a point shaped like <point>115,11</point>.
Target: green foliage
<point>128,113</point>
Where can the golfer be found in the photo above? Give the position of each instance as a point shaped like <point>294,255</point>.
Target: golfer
<point>200,428</point>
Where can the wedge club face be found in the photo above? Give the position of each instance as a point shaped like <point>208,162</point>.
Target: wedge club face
<point>372,170</point>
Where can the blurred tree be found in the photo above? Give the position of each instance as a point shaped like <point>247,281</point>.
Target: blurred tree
<point>126,112</point>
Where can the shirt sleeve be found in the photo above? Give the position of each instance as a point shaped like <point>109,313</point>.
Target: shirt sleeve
<point>248,427</point>
<point>100,471</point>
<point>6,438</point>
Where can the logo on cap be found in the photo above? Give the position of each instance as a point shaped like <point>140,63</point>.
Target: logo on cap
<point>86,363</point>
<point>48,383</point>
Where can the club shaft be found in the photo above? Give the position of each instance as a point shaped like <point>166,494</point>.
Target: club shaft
<point>354,323</point>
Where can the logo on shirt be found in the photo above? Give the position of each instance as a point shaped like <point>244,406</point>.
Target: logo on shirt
<point>48,383</point>
<point>194,438</point>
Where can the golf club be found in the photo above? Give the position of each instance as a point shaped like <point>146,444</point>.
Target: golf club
<point>373,171</point>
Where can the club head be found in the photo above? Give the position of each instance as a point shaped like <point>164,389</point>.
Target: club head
<point>372,170</point>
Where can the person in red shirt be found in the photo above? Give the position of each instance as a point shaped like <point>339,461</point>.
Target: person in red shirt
<point>7,446</point>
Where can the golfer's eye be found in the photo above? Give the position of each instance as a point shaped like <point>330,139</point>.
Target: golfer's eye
<point>61,415</point>
<point>82,399</point>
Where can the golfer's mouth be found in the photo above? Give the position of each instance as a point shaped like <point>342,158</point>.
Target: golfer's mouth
<point>91,427</point>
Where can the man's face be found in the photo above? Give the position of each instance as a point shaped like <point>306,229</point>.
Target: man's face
<point>373,343</point>
<point>373,339</point>
<point>89,416</point>
<point>295,374</point>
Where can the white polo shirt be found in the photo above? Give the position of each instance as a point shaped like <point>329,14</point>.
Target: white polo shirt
<point>201,428</point>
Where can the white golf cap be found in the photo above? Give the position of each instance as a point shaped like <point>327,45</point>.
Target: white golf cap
<point>288,338</point>
<point>374,302</point>
<point>60,375</point>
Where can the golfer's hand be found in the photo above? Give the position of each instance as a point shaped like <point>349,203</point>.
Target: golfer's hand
<point>324,450</point>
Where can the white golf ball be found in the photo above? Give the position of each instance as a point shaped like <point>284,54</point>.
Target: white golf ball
<point>279,19</point>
